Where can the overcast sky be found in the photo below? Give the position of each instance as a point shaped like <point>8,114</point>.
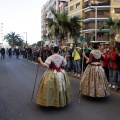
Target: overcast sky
<point>22,16</point>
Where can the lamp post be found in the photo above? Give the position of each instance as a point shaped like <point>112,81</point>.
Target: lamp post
<point>96,23</point>
<point>26,37</point>
<point>95,8</point>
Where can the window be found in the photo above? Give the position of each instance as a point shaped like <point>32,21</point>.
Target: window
<point>117,10</point>
<point>71,8</point>
<point>78,5</point>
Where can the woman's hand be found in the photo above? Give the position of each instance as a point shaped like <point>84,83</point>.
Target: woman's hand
<point>39,59</point>
<point>83,54</point>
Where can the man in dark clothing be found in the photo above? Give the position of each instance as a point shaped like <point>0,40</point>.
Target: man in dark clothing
<point>70,60</point>
<point>87,51</point>
<point>3,53</point>
<point>17,53</point>
<point>10,52</point>
<point>46,52</point>
<point>118,70</point>
<point>30,54</point>
<point>49,53</point>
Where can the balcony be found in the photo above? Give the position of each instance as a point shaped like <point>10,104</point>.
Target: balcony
<point>93,16</point>
<point>88,4</point>
<point>86,0</point>
<point>102,3</point>
<point>89,27</point>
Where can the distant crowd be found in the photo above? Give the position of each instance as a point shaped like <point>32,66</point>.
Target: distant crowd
<point>76,63</point>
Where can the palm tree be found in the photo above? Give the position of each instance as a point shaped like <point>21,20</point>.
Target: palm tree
<point>113,25</point>
<point>118,25</point>
<point>13,39</point>
<point>61,25</point>
<point>74,28</point>
<point>58,26</point>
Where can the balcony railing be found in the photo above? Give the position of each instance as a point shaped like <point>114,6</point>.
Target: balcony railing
<point>99,4</point>
<point>86,0</point>
<point>89,27</point>
<point>93,16</point>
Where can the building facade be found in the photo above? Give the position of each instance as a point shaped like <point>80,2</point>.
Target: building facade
<point>1,33</point>
<point>58,5</point>
<point>115,13</point>
<point>43,23</point>
<point>95,12</point>
<point>74,9</point>
<point>92,13</point>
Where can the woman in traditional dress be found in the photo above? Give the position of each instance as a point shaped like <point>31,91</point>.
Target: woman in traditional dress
<point>94,81</point>
<point>54,88</point>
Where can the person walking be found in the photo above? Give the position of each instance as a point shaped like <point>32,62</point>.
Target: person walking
<point>17,52</point>
<point>2,53</point>
<point>10,52</point>
<point>94,81</point>
<point>54,88</point>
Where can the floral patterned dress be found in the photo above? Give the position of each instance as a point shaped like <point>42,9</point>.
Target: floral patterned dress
<point>94,81</point>
<point>54,88</point>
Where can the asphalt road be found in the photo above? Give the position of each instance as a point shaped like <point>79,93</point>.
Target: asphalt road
<point>16,85</point>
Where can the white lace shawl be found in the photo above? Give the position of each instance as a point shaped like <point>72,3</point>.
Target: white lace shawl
<point>96,53</point>
<point>56,59</point>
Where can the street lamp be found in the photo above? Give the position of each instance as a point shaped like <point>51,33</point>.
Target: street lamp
<point>26,37</point>
<point>95,7</point>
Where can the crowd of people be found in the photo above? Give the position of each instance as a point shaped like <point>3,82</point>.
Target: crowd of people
<point>97,66</point>
<point>10,51</point>
<point>77,63</point>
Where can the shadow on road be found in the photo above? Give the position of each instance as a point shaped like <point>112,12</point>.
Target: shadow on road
<point>52,109</point>
<point>96,100</point>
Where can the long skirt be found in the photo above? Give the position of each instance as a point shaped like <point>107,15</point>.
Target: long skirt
<point>94,82</point>
<point>54,89</point>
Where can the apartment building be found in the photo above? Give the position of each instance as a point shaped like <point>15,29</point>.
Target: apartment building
<point>58,5</point>
<point>115,13</point>
<point>93,12</point>
<point>74,9</point>
<point>43,23</point>
<point>1,33</point>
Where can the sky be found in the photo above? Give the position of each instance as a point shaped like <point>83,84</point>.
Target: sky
<point>22,16</point>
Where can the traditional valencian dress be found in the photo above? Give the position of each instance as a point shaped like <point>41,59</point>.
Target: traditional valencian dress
<point>54,88</point>
<point>94,81</point>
